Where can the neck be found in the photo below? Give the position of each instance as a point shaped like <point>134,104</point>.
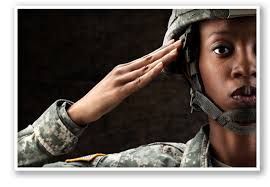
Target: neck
<point>231,148</point>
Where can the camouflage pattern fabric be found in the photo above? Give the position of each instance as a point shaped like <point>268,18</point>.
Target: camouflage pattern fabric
<point>181,18</point>
<point>55,134</point>
<point>159,154</point>
<point>52,135</point>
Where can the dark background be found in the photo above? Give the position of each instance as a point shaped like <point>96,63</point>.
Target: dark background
<point>64,53</point>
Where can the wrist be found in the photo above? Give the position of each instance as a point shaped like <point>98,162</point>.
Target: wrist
<point>75,115</point>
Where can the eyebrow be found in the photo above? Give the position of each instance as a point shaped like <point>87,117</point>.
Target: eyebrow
<point>220,33</point>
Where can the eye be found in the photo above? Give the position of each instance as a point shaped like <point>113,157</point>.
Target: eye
<point>222,50</point>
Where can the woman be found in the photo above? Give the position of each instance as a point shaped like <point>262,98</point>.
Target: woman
<point>216,52</point>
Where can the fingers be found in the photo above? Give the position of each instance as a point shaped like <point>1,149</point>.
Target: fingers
<point>128,77</point>
<point>167,59</point>
<point>143,80</point>
<point>148,59</point>
<point>134,74</point>
<point>162,47</point>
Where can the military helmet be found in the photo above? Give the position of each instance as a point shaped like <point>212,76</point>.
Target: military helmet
<point>183,24</point>
<point>182,20</point>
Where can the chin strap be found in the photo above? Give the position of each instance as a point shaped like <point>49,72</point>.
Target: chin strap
<point>230,119</point>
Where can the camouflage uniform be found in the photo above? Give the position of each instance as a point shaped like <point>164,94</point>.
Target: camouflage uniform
<point>54,134</point>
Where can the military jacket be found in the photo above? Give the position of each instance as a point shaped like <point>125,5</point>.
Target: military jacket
<point>54,134</point>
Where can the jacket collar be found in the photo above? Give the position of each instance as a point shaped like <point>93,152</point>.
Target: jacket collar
<point>196,152</point>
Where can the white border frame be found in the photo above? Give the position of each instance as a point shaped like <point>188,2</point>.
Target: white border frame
<point>258,78</point>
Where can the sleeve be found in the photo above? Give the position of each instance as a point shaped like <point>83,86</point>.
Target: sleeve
<point>157,154</point>
<point>152,155</point>
<point>53,134</point>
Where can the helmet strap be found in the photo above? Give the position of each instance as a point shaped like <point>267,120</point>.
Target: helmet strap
<point>231,120</point>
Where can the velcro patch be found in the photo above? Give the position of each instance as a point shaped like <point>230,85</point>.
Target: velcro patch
<point>87,158</point>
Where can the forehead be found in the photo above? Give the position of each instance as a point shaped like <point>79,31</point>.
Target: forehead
<point>245,25</point>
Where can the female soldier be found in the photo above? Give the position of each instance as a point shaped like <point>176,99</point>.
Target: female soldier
<point>218,58</point>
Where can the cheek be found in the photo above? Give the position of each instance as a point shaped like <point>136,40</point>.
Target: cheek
<point>207,75</point>
<point>214,82</point>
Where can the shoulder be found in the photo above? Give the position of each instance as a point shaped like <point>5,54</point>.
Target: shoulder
<point>158,154</point>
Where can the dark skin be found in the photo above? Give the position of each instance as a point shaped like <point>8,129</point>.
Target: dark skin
<point>228,61</point>
<point>221,74</point>
<point>122,81</point>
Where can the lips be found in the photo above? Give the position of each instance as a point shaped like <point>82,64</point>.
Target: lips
<point>245,95</point>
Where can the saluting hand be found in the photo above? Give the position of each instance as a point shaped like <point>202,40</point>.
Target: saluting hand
<point>121,82</point>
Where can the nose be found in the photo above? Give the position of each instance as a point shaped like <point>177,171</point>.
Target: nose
<point>244,66</point>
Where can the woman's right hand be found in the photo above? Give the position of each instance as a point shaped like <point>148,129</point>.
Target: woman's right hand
<point>121,82</point>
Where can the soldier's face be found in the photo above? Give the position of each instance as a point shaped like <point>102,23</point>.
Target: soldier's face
<point>227,62</point>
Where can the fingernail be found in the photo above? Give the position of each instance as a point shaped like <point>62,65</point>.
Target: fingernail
<point>160,64</point>
<point>170,42</point>
<point>178,42</point>
<point>174,51</point>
